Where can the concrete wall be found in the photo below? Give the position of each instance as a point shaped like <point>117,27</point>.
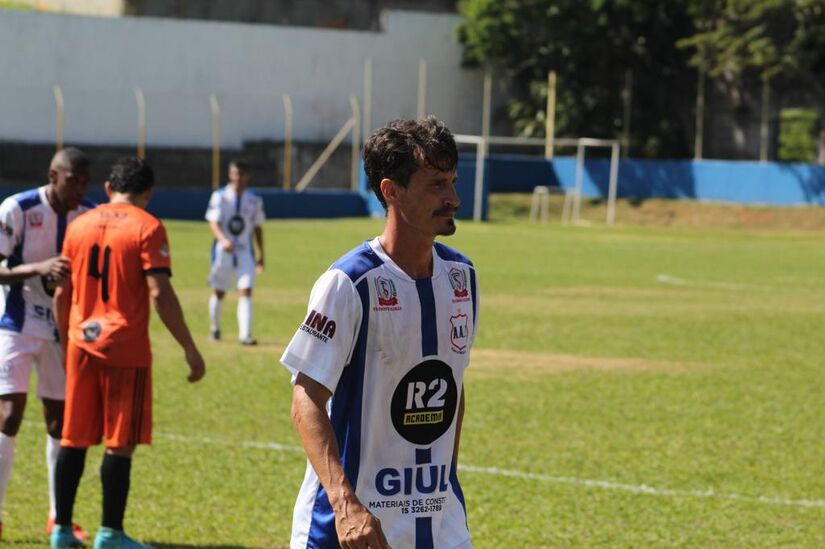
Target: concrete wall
<point>769,183</point>
<point>99,61</point>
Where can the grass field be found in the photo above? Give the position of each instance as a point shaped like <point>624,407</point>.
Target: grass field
<point>629,387</point>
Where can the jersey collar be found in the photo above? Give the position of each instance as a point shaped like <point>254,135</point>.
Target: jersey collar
<point>375,244</point>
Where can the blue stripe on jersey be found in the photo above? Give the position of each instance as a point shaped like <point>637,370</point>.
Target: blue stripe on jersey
<point>474,293</point>
<point>15,313</point>
<point>214,251</point>
<point>423,456</point>
<point>459,494</point>
<point>424,533</point>
<point>429,324</point>
<point>345,417</point>
<point>61,232</point>
<point>448,254</point>
<point>358,262</point>
<point>28,199</point>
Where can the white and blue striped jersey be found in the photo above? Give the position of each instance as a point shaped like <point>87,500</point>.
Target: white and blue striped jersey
<point>31,231</point>
<point>236,216</point>
<point>392,350</point>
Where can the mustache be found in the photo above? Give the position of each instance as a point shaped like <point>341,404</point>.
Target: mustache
<point>445,211</point>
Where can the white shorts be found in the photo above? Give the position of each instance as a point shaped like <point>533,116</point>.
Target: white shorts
<point>18,352</point>
<point>229,266</point>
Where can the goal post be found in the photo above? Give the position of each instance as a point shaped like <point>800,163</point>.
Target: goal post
<point>581,144</point>
<point>478,177</point>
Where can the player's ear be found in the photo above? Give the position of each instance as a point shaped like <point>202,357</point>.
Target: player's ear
<point>147,195</point>
<point>108,187</point>
<point>389,189</point>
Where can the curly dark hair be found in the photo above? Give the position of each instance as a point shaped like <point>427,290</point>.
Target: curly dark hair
<point>131,175</point>
<point>400,148</point>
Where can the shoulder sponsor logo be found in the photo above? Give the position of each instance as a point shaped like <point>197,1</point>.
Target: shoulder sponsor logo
<point>319,326</point>
<point>459,333</point>
<point>164,250</point>
<point>35,219</point>
<point>387,295</point>
<point>458,280</point>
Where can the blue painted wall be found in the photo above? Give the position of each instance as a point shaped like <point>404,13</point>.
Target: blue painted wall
<point>771,183</point>
<point>465,188</point>
<point>278,204</point>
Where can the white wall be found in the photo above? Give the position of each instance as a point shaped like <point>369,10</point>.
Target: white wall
<point>99,61</point>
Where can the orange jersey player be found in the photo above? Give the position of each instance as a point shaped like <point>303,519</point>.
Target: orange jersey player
<point>120,262</point>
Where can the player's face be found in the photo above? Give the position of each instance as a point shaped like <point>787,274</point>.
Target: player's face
<point>69,185</point>
<point>429,202</point>
<point>239,177</point>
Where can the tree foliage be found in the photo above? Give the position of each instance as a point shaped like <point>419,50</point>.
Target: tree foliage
<point>592,44</point>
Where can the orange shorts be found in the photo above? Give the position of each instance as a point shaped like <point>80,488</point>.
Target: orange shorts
<point>105,402</point>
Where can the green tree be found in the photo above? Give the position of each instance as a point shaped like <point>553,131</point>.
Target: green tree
<point>590,44</point>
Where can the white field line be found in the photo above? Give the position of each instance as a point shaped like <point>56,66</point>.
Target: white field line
<point>676,281</point>
<point>642,489</point>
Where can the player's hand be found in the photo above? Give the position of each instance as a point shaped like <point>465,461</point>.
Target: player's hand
<point>227,245</point>
<point>197,368</point>
<point>55,268</point>
<point>357,528</point>
<point>259,267</point>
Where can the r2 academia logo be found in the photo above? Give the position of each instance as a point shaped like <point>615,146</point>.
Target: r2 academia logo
<point>424,402</point>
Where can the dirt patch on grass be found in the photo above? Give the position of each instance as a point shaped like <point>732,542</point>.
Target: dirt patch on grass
<point>488,363</point>
<point>678,213</point>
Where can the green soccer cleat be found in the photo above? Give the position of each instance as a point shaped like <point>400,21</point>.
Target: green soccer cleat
<point>63,536</point>
<point>109,538</point>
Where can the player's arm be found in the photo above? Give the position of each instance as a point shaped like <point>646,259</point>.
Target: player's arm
<point>259,240</point>
<point>61,305</point>
<point>459,420</point>
<point>221,237</point>
<point>55,268</point>
<point>355,525</point>
<point>168,307</point>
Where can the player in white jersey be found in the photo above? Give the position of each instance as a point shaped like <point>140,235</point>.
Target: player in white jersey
<point>378,363</point>
<point>32,227</point>
<point>234,215</point>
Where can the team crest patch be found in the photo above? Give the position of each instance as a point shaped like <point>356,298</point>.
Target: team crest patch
<point>35,219</point>
<point>459,333</point>
<point>387,295</point>
<point>458,280</point>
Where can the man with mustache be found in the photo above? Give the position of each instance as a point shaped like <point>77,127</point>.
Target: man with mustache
<point>32,226</point>
<point>378,363</point>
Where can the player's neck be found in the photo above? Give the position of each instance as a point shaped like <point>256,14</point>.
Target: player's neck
<point>413,253</point>
<point>126,198</point>
<point>55,204</point>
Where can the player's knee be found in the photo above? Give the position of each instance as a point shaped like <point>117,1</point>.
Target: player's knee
<point>121,451</point>
<point>11,413</point>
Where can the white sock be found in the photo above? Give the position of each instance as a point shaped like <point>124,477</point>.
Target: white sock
<point>7,446</point>
<point>244,316</point>
<point>215,307</point>
<point>52,449</point>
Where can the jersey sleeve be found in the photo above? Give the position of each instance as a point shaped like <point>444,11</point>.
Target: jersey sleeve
<point>11,226</point>
<point>213,211</point>
<point>154,250</point>
<point>260,216</point>
<point>323,344</point>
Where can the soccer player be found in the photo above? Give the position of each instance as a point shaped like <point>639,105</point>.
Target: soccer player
<point>234,215</point>
<point>119,263</point>
<point>32,226</point>
<point>378,363</point>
